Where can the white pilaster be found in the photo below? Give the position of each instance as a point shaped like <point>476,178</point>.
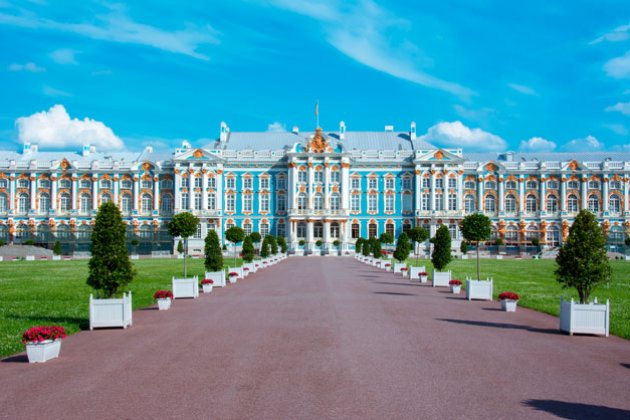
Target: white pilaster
<point>136,192</point>
<point>480,203</point>
<point>94,192</point>
<point>177,179</point>
<point>12,181</point>
<point>116,181</point>
<point>563,194</point>
<point>605,192</point>
<point>204,190</point>
<point>345,186</point>
<point>156,193</point>
<point>53,192</point>
<point>584,193</point>
<point>74,197</point>
<point>543,192</point>
<point>501,193</point>
<point>432,191</point>
<point>521,195</point>
<point>33,190</point>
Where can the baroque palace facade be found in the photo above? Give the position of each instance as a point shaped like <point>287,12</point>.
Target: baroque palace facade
<point>313,188</point>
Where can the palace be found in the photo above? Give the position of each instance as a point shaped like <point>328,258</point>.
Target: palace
<point>321,190</point>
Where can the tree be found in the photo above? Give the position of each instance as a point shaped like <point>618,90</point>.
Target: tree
<point>582,260</point>
<point>375,247</point>
<point>248,249</point>
<point>180,246</point>
<point>366,248</point>
<point>358,245</point>
<point>256,238</point>
<point>183,225</point>
<point>402,247</point>
<point>282,243</point>
<point>441,255</point>
<point>212,251</point>
<point>476,228</point>
<point>418,235</point>
<point>265,248</point>
<point>235,235</point>
<point>273,244</point>
<point>57,248</point>
<point>110,269</point>
<point>387,238</point>
<point>463,247</point>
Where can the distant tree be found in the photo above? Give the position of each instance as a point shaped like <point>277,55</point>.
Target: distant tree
<point>282,243</point>
<point>375,247</point>
<point>110,269</point>
<point>582,260</point>
<point>463,247</point>
<point>183,225</point>
<point>180,246</point>
<point>402,247</point>
<point>336,242</point>
<point>366,248</point>
<point>248,249</point>
<point>417,235</point>
<point>273,244</point>
<point>265,248</point>
<point>476,228</point>
<point>57,248</point>
<point>134,243</point>
<point>387,238</point>
<point>318,242</point>
<point>212,251</point>
<point>441,255</point>
<point>235,235</point>
<point>499,241</point>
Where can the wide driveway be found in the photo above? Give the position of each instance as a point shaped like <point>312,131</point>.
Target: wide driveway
<point>325,338</point>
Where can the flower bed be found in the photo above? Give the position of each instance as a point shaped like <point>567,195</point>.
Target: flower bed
<point>43,333</point>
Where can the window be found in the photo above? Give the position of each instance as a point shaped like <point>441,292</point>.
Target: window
<point>439,183</point>
<point>572,204</point>
<point>425,202</point>
<point>3,183</point>
<point>106,184</point>
<point>318,230</point>
<point>302,177</point>
<point>301,201</point>
<point>105,198</point>
<point>147,203</point>
<point>372,203</point>
<point>185,201</point>
<point>593,203</point>
<point>85,183</point>
<point>469,185</point>
<point>372,230</point>
<point>573,185</point>
<point>23,183</point>
<point>126,203</point>
<point>301,230</point>
<point>615,185</point>
<point>65,203</point>
<point>247,227</point>
<point>490,204</point>
<point>166,184</point>
<point>334,230</point>
<point>426,183</point>
<point>552,204</point>
<point>356,183</point>
<point>490,185</point>
<point>43,183</point>
<point>212,183</point>
<point>553,236</point>
<point>281,229</point>
<point>230,203</point>
<point>318,202</point>
<point>198,201</point>
<point>247,183</point>
<point>372,183</point>
<point>85,203</point>
<point>510,204</point>
<point>65,183</point>
<point>230,183</point>
<point>439,202</point>
<point>531,233</point>
<point>452,229</point>
<point>552,185</point>
<point>355,202</point>
<point>264,202</point>
<point>355,230</point>
<point>335,177</point>
<point>4,203</point>
<point>125,184</point>
<point>469,204</point>
<point>389,228</point>
<point>452,202</point>
<point>282,183</point>
<point>281,202</point>
<point>406,183</point>
<point>452,183</point>
<point>264,229</point>
<point>319,177</point>
<point>212,201</point>
<point>510,185</point>
<point>531,204</point>
<point>166,205</point>
<point>614,204</point>
<point>44,202</point>
<point>389,203</point>
<point>531,185</point>
<point>185,182</point>
<point>264,183</point>
<point>247,202</point>
<point>334,202</point>
<point>511,234</point>
<point>389,183</point>
<point>593,185</point>
<point>407,203</point>
<point>197,234</point>
<point>198,182</point>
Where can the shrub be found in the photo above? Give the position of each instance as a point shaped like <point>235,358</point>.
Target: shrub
<point>212,251</point>
<point>180,246</point>
<point>29,242</point>
<point>273,245</point>
<point>499,242</point>
<point>418,235</point>
<point>536,242</point>
<point>358,245</point>
<point>463,247</point>
<point>57,248</point>
<point>248,249</point>
<point>282,243</point>
<point>301,242</point>
<point>265,248</point>
<point>318,243</point>
<point>375,247</point>
<point>255,237</point>
<point>387,238</point>
<point>402,247</point>
<point>235,235</point>
<point>336,242</point>
<point>441,255</point>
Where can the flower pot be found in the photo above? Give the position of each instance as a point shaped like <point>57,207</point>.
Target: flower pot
<point>43,351</point>
<point>508,305</point>
<point>424,278</point>
<point>455,289</point>
<point>233,279</point>
<point>207,288</point>
<point>164,304</point>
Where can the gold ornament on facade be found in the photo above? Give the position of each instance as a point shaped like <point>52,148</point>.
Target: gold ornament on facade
<point>318,143</point>
<point>573,165</point>
<point>439,155</point>
<point>146,166</point>
<point>491,167</point>
<point>197,153</point>
<point>345,165</point>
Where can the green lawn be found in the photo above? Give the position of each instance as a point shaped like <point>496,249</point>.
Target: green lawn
<point>534,282</point>
<point>54,292</point>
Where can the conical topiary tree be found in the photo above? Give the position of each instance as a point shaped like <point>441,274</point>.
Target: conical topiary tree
<point>441,255</point>
<point>282,243</point>
<point>256,238</point>
<point>248,249</point>
<point>265,247</point>
<point>180,246</point>
<point>183,225</point>
<point>582,260</point>
<point>213,253</point>
<point>358,245</point>
<point>402,247</point>
<point>476,228</point>
<point>273,245</point>
<point>110,269</point>
<point>375,247</point>
<point>366,248</point>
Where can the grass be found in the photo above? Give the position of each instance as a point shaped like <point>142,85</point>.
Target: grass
<point>534,282</point>
<point>54,293</point>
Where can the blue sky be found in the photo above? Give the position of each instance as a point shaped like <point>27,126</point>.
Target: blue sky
<point>488,76</point>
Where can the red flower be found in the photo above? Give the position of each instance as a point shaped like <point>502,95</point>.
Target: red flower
<point>424,273</point>
<point>246,269</point>
<point>207,281</point>
<point>508,296</point>
<point>383,252</point>
<point>455,283</point>
<point>388,265</point>
<point>233,274</point>
<point>43,333</point>
<point>163,294</point>
<point>403,269</point>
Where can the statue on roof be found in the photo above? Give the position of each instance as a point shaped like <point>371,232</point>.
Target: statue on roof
<point>318,143</point>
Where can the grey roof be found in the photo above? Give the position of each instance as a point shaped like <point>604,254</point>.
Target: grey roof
<point>550,156</point>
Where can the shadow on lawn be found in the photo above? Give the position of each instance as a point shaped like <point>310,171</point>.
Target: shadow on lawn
<point>502,325</point>
<point>394,293</point>
<point>577,411</point>
<point>83,323</point>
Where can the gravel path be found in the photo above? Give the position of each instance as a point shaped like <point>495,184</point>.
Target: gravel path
<point>325,338</point>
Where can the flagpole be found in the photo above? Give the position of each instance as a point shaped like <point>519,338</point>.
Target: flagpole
<point>317,113</point>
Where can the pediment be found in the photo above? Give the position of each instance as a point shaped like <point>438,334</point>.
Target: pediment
<point>440,155</point>
<point>200,155</point>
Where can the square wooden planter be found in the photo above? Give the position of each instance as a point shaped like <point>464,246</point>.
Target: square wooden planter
<point>107,313</point>
<point>398,268</point>
<point>584,318</point>
<point>441,278</point>
<point>218,277</point>
<point>479,289</point>
<point>186,287</point>
<point>414,272</point>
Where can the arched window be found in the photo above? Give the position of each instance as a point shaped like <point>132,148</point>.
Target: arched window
<point>301,201</point>
<point>553,236</point>
<point>23,203</point>
<point>63,232</point>
<point>21,231</point>
<point>469,204</point>
<point>105,198</point>
<point>44,202</point>
<point>490,204</point>
<point>510,203</point>
<point>125,203</point>
<point>390,228</point>
<point>334,230</point>
<point>147,204</point>
<point>531,185</point>
<point>43,233</point>
<point>355,230</point>
<point>318,202</point>
<point>510,185</point>
<point>199,201</point>
<point>593,203</point>
<point>86,204</point>
<point>84,232</point>
<point>186,203</point>
<point>531,233</point>
<point>614,204</point>
<point>334,201</point>
<point>511,234</point>
<point>552,204</point>
<point>264,229</point>
<point>65,203</point>
<point>531,204</point>
<point>146,232</point>
<point>572,204</point>
<point>247,227</point>
<point>372,230</point>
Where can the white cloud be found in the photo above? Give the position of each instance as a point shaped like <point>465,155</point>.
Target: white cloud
<point>276,127</point>
<point>373,37</point>
<point>623,107</point>
<point>525,90</point>
<point>115,26</point>
<point>55,129</point>
<point>618,67</point>
<point>30,67</point>
<point>617,129</point>
<point>64,56</point>
<point>54,93</point>
<point>586,144</point>
<point>456,134</point>
<point>537,144</point>
<point>620,33</point>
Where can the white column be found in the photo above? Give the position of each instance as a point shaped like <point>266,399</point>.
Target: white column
<point>521,195</point>
<point>292,230</point>
<point>584,193</point>
<point>53,192</point>
<point>432,191</point>
<point>94,192</point>
<point>460,192</point>
<point>33,185</point>
<point>191,191</point>
<point>345,186</point>
<point>563,194</point>
<point>501,193</point>
<point>543,191</point>
<point>626,194</point>
<point>418,189</point>
<point>156,193</point>
<point>219,189</point>
<point>605,192</point>
<point>326,186</point>
<point>204,190</point>
<point>291,186</point>
<point>309,231</point>
<point>116,181</point>
<point>12,181</point>
<point>311,178</point>
<point>74,197</point>
<point>136,192</point>
<point>326,232</point>
<point>480,203</point>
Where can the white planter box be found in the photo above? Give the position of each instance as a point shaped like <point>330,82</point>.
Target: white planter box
<point>218,277</point>
<point>464,257</point>
<point>479,289</point>
<point>237,270</point>
<point>186,287</point>
<point>584,318</point>
<point>508,305</point>
<point>499,257</point>
<point>441,278</point>
<point>180,256</point>
<point>54,257</point>
<point>105,313</point>
<point>207,288</point>
<point>44,351</point>
<point>398,268</point>
<point>135,257</point>
<point>164,304</point>
<point>30,258</point>
<point>414,272</point>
